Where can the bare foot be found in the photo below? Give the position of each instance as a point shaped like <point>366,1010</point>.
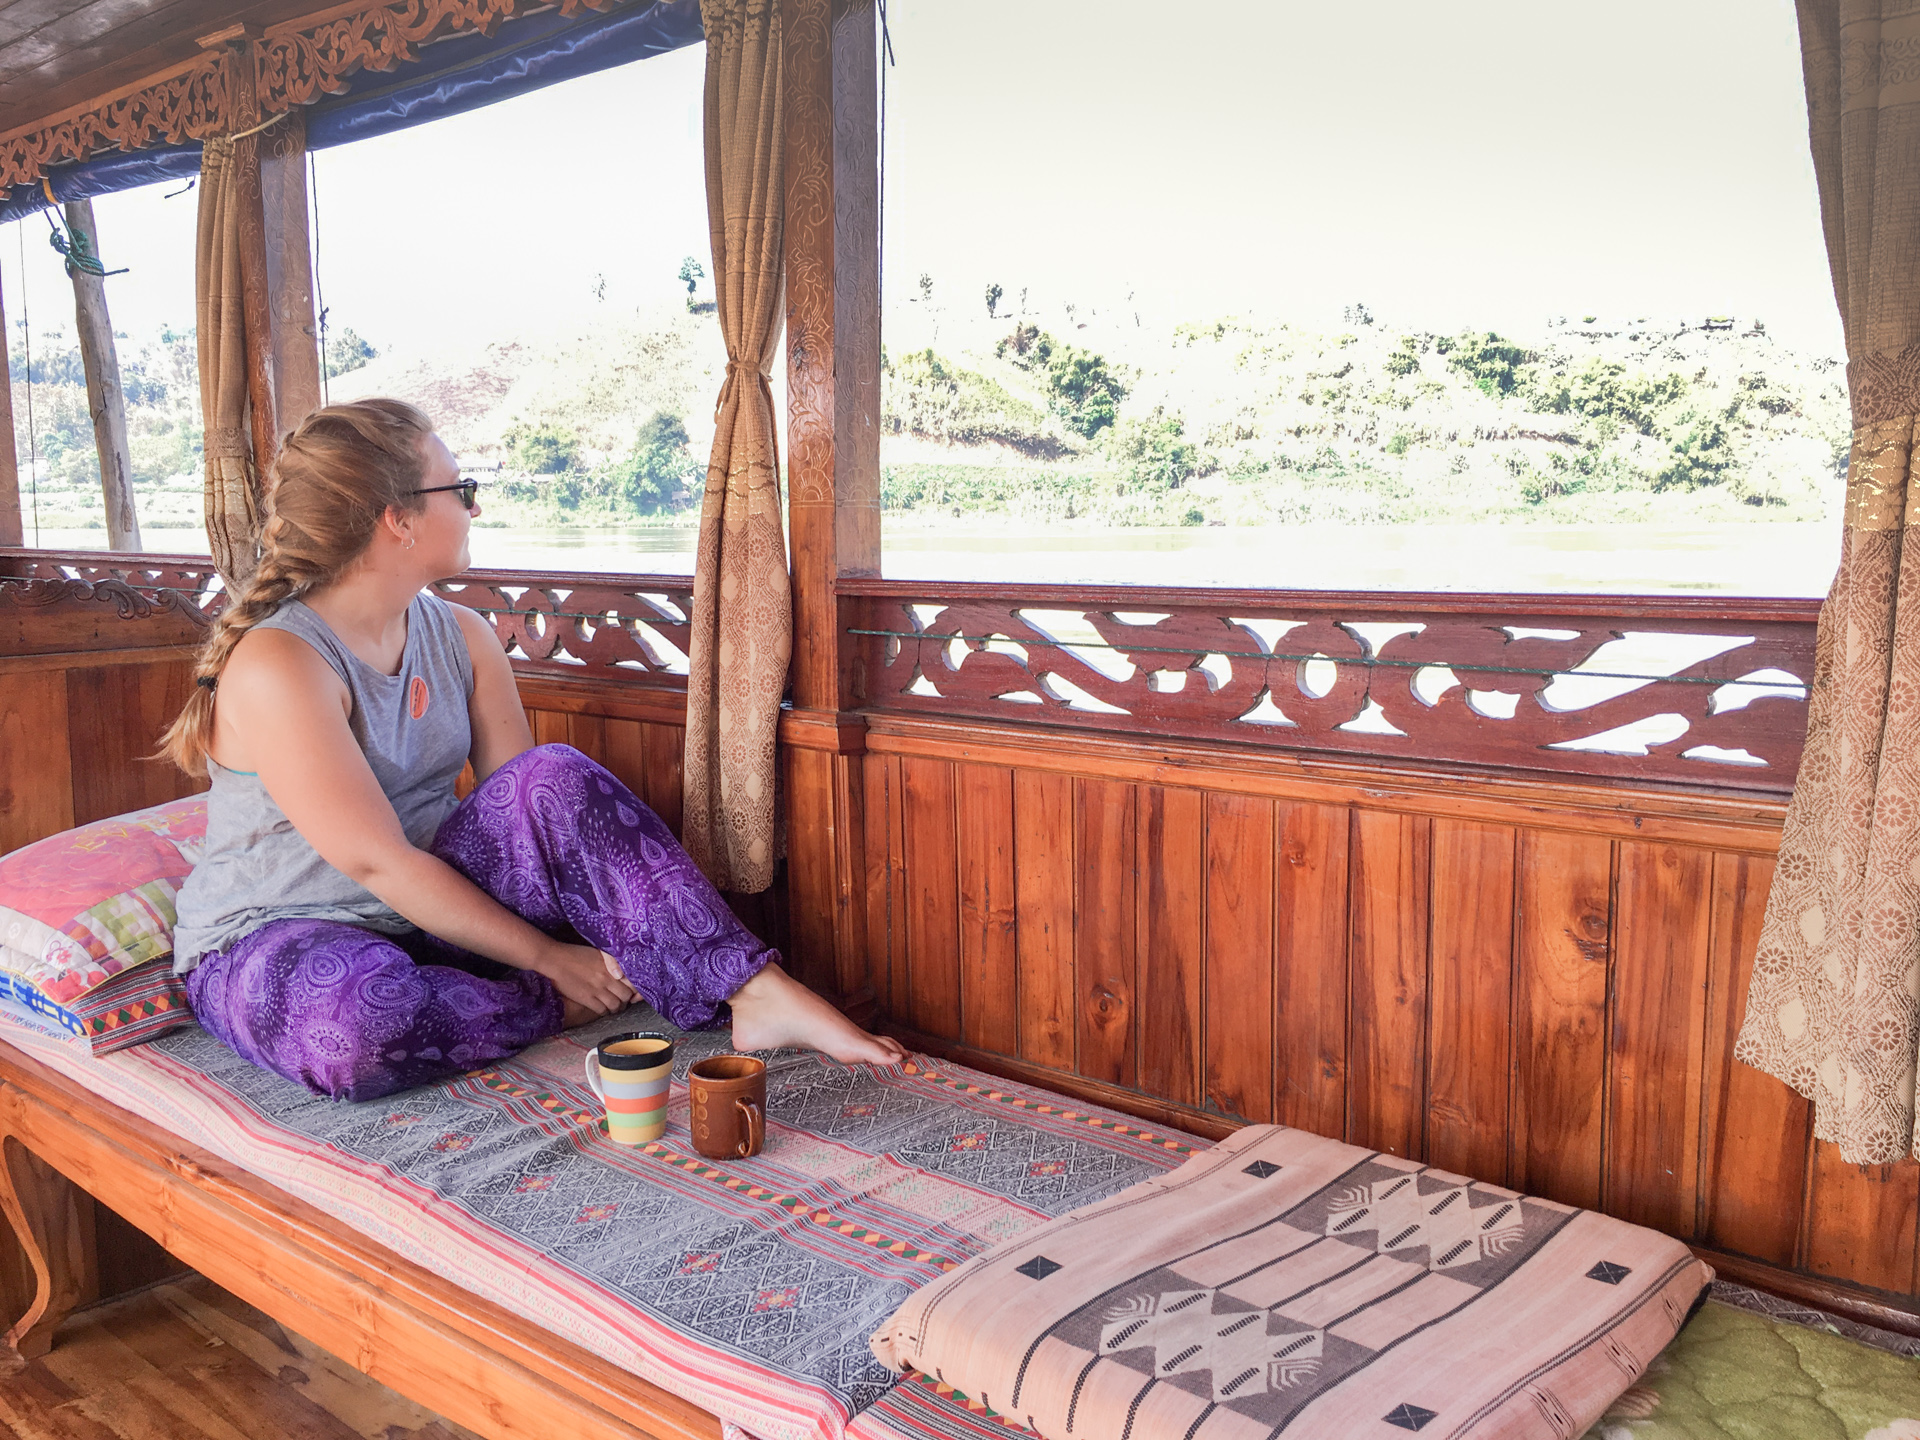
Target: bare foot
<point>773,1010</point>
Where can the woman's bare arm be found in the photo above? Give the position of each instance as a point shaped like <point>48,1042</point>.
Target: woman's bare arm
<point>499,723</point>
<point>282,712</point>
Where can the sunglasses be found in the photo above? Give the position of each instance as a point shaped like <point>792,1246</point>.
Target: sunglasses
<point>467,491</point>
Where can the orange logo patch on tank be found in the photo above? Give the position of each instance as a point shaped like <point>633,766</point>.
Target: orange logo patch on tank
<point>417,697</point>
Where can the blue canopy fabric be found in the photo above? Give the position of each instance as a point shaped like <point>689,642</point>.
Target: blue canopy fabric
<point>458,74</point>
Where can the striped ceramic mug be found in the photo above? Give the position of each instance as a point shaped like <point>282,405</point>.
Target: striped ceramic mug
<point>631,1073</point>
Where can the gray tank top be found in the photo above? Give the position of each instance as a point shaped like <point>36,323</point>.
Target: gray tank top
<point>414,731</point>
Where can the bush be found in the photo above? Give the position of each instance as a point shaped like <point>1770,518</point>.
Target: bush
<point>545,449</point>
<point>1086,393</point>
<point>1155,452</point>
<point>1405,360</point>
<point>1488,361</point>
<point>927,396</point>
<point>657,475</point>
<point>347,352</point>
<point>1602,390</point>
<point>1700,455</point>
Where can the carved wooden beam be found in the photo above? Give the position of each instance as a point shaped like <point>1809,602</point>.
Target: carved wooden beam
<point>293,64</point>
<point>186,102</point>
<point>306,59</point>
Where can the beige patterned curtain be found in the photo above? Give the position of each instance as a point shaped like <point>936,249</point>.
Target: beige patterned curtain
<point>742,603</point>
<point>1836,982</point>
<point>232,489</point>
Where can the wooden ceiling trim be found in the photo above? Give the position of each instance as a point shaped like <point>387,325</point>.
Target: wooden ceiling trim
<point>301,62</point>
<point>188,102</point>
<point>296,63</point>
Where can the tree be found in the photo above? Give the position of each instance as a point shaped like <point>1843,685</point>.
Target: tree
<point>659,471</point>
<point>691,274</point>
<point>1022,340</point>
<point>545,449</point>
<point>1488,361</point>
<point>994,292</point>
<point>1156,452</point>
<point>1086,393</point>
<point>926,288</point>
<point>346,352</point>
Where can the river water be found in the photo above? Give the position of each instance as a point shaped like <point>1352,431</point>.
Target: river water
<point>1750,559</point>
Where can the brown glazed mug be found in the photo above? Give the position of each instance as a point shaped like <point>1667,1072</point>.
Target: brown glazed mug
<point>727,1106</point>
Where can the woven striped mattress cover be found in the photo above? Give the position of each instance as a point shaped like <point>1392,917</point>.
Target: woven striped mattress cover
<point>750,1288</point>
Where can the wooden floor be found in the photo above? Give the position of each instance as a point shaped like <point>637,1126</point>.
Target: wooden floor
<point>185,1360</point>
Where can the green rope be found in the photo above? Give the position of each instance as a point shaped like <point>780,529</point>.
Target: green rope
<point>77,252</point>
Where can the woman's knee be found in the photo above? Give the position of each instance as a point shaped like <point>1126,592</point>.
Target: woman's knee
<point>325,1009</point>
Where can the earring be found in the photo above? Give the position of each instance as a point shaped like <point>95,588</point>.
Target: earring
<point>409,544</point>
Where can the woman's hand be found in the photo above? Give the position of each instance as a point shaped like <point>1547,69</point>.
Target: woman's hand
<point>586,979</point>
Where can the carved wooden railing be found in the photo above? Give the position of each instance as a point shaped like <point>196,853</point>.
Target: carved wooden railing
<point>1697,690</point>
<point>627,626</point>
<point>1700,690</point>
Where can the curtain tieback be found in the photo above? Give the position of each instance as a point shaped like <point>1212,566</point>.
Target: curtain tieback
<point>726,387</point>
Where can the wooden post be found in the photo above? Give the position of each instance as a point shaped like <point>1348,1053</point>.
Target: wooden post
<point>12,527</point>
<point>832,236</point>
<point>105,399</point>
<point>283,194</point>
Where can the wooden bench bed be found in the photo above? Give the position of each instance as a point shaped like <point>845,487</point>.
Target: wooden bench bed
<point>1567,1032</point>
<point>467,1358</point>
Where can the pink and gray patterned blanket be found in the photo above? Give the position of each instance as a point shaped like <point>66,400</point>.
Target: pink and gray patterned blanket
<point>750,1288</point>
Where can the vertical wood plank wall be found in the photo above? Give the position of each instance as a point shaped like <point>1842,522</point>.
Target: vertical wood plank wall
<point>75,731</point>
<point>1541,993</point>
<point>1541,989</point>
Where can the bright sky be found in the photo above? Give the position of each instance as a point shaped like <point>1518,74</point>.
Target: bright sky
<point>1490,164</point>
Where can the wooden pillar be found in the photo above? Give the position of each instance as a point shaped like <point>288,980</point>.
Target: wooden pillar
<point>832,237</point>
<point>296,348</point>
<point>12,527</point>
<point>106,400</point>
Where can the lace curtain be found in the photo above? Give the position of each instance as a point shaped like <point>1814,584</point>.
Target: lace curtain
<point>1836,982</point>
<point>742,603</point>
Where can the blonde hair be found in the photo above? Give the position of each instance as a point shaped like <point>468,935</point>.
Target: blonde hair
<point>336,475</point>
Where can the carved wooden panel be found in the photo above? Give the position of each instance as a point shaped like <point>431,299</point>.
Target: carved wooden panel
<point>50,616</point>
<point>301,62</point>
<point>570,624</point>
<point>1671,690</point>
<point>611,625</point>
<point>296,63</point>
<point>189,102</point>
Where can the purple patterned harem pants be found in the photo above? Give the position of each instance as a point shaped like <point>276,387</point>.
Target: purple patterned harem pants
<point>356,1014</point>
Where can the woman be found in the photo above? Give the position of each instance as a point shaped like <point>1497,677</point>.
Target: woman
<point>352,926</point>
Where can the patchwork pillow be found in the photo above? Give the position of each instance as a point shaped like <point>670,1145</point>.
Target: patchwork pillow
<point>133,1007</point>
<point>1285,1282</point>
<point>83,914</point>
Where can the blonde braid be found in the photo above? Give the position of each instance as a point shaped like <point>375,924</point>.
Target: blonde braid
<point>340,470</point>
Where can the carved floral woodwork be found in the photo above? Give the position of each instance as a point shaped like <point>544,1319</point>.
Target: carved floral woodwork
<point>295,64</point>
<point>300,63</point>
<point>571,625</point>
<point>1688,691</point>
<point>190,102</point>
<point>607,625</point>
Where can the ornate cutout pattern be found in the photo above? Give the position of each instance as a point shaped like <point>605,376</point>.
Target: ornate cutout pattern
<point>569,625</point>
<point>189,103</point>
<point>299,64</point>
<point>1656,690</point>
